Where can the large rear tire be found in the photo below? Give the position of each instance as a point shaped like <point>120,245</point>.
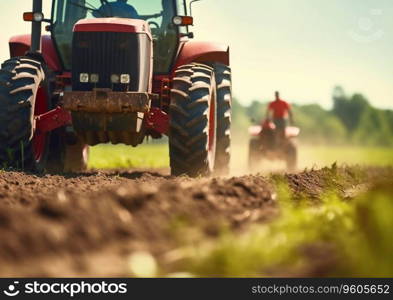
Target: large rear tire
<point>192,135</point>
<point>25,91</point>
<point>20,79</point>
<point>224,102</point>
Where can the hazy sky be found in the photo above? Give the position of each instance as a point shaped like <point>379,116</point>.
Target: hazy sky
<point>301,47</point>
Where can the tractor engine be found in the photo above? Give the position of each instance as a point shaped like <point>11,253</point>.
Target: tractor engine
<point>111,80</point>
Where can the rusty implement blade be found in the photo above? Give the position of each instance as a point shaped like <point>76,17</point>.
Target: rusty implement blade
<point>107,101</point>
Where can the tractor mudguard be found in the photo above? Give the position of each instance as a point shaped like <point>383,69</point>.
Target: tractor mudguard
<point>20,44</point>
<point>194,51</point>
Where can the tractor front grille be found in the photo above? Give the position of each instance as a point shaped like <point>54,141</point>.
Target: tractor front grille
<point>105,54</point>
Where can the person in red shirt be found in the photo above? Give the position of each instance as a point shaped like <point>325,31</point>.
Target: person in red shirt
<point>279,111</point>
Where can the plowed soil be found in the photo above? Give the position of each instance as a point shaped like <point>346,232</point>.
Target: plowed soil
<point>88,224</point>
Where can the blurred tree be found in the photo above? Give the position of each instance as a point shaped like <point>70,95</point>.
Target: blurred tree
<point>389,118</point>
<point>257,110</point>
<point>349,110</point>
<point>373,129</point>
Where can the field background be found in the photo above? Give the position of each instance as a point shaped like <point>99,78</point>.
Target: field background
<point>157,156</point>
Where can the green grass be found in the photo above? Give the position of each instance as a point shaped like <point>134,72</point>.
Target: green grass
<point>157,156</point>
<point>336,238</point>
<point>121,156</point>
<point>322,155</point>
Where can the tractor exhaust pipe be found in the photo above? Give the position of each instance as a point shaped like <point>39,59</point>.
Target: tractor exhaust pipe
<point>36,28</point>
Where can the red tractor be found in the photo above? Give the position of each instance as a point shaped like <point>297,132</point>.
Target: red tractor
<point>269,143</point>
<point>110,75</point>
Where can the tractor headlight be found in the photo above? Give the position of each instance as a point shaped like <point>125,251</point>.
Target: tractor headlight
<point>125,78</point>
<point>178,20</point>
<point>94,78</point>
<point>115,78</point>
<point>38,17</point>
<point>84,77</point>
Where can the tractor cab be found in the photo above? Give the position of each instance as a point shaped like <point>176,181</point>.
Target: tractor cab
<point>158,14</point>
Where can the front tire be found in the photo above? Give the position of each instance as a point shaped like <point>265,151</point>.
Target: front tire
<point>192,135</point>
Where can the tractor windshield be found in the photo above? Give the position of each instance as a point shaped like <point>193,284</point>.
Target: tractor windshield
<point>158,13</point>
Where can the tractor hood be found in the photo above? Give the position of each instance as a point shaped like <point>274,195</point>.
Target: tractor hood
<point>110,48</point>
<point>113,25</point>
